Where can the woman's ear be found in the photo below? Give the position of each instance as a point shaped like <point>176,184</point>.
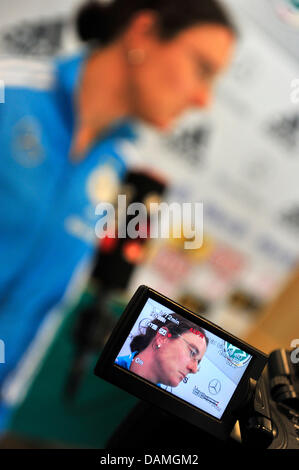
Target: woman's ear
<point>163,335</point>
<point>141,31</point>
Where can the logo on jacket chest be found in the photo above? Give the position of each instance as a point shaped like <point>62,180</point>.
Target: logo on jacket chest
<point>26,142</point>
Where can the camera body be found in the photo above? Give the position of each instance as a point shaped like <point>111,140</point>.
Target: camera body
<point>272,418</point>
<point>196,373</point>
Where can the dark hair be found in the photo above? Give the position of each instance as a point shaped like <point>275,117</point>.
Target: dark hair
<point>141,341</point>
<point>103,22</point>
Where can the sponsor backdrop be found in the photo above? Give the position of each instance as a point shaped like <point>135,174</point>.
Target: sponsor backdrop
<point>241,160</point>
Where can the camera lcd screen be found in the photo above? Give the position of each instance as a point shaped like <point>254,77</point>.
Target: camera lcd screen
<point>182,358</point>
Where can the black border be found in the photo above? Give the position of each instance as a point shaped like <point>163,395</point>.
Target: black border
<point>132,383</point>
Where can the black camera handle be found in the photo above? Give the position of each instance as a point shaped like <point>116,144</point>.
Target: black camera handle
<point>276,392</point>
<point>255,420</point>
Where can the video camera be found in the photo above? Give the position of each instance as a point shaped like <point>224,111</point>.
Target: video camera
<point>191,373</point>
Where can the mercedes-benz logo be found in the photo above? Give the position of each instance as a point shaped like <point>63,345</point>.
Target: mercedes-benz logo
<point>214,386</point>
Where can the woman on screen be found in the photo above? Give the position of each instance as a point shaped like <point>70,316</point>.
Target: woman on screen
<point>166,352</point>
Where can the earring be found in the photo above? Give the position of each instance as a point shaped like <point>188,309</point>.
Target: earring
<point>136,56</point>
<point>158,346</point>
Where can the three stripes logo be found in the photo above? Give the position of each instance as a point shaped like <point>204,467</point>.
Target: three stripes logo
<point>2,91</point>
<point>2,352</point>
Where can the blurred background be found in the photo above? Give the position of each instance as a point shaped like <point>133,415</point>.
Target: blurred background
<point>240,159</point>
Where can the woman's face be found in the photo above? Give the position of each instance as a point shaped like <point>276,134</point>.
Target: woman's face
<point>179,357</point>
<point>178,74</point>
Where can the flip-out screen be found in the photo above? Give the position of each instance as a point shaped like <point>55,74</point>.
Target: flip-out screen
<point>182,358</point>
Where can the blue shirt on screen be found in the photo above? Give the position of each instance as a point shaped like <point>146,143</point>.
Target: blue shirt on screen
<point>126,361</point>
